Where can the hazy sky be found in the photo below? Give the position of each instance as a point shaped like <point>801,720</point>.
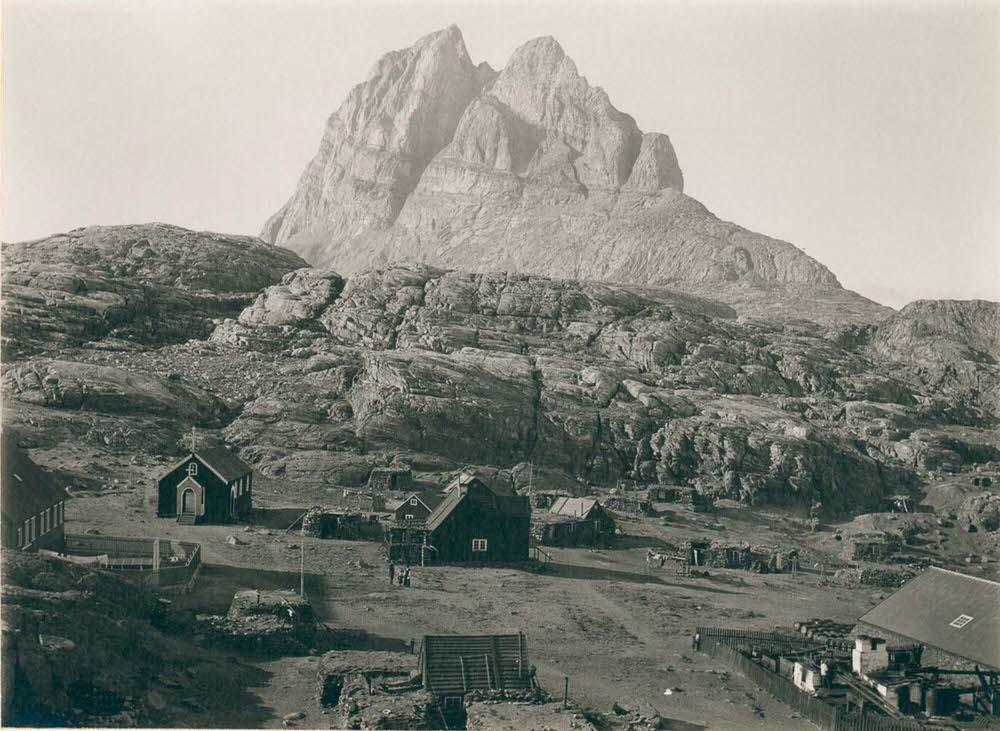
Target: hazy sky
<point>867,134</point>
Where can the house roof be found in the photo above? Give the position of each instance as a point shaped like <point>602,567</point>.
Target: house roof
<point>429,498</point>
<point>952,612</point>
<point>573,507</point>
<point>475,489</point>
<point>453,665</point>
<point>26,489</point>
<point>220,460</point>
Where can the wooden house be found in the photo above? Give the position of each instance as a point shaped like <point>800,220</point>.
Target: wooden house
<point>210,485</point>
<point>575,521</point>
<point>33,507</point>
<point>390,478</point>
<point>418,506</point>
<point>471,524</point>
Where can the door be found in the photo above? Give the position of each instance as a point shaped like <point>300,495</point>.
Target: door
<point>189,502</point>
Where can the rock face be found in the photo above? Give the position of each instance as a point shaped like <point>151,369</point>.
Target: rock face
<point>594,381</point>
<point>314,377</point>
<point>378,143</point>
<point>149,284</point>
<point>533,169</point>
<point>951,346</point>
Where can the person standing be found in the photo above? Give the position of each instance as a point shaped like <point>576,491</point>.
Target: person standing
<point>392,572</point>
<point>406,576</point>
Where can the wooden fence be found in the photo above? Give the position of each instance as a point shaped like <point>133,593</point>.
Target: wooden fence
<point>717,644</point>
<point>132,558</point>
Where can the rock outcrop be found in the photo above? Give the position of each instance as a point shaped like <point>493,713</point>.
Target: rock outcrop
<point>438,161</point>
<point>948,346</point>
<point>148,284</point>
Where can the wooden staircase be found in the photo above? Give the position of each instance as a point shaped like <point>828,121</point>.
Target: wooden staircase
<point>186,518</point>
<point>455,665</point>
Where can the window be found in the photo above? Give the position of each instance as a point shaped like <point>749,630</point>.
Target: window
<point>960,621</point>
<point>479,544</point>
<point>413,501</point>
<point>408,516</point>
<point>20,537</point>
<point>453,702</point>
<point>192,469</point>
<point>45,521</point>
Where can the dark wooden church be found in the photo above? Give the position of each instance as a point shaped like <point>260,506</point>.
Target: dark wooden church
<point>210,485</point>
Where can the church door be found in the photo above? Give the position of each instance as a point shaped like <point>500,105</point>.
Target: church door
<point>189,502</point>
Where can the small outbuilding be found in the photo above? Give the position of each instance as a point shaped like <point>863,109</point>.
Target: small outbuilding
<point>208,486</point>
<point>33,507</point>
<point>452,666</point>
<point>575,521</point>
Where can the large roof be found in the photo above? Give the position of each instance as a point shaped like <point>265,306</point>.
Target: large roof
<point>25,489</point>
<point>220,460</point>
<point>457,664</point>
<point>952,612</point>
<point>573,507</point>
<point>476,489</point>
<point>226,464</point>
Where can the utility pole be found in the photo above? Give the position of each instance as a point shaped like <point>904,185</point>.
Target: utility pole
<point>302,560</point>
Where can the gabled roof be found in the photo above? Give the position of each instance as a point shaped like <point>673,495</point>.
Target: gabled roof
<point>453,665</point>
<point>952,612</point>
<point>573,507</point>
<point>226,465</point>
<point>25,489</point>
<point>429,498</point>
<point>476,489</point>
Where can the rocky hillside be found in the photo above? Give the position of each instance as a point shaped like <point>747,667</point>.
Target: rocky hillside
<point>436,160</point>
<point>79,649</point>
<point>318,378</point>
<point>151,283</point>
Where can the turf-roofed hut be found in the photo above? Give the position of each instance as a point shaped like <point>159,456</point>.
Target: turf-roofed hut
<point>209,485</point>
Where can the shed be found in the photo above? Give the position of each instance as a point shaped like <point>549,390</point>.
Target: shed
<point>32,506</point>
<point>575,521</point>
<point>956,614</point>
<point>453,665</point>
<point>210,485</point>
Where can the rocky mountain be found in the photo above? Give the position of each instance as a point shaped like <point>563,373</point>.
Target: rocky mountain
<point>150,283</point>
<point>436,160</point>
<point>318,378</point>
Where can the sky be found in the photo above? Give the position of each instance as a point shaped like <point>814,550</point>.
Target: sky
<point>866,133</point>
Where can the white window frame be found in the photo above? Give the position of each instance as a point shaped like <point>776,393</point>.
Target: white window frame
<point>413,501</point>
<point>960,621</point>
<point>480,545</point>
<point>408,516</point>
<point>192,469</point>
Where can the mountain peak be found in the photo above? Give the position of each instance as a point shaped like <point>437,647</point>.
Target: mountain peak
<point>531,169</point>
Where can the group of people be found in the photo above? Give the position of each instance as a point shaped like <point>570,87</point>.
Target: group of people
<point>402,576</point>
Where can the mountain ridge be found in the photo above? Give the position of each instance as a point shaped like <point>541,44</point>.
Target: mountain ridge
<point>436,160</point>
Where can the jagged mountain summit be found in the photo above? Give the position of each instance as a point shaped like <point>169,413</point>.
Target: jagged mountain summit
<point>437,160</point>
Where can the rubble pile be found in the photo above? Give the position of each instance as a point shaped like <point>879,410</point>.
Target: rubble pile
<point>375,690</point>
<point>264,622</point>
<point>518,716</point>
<point>889,578</point>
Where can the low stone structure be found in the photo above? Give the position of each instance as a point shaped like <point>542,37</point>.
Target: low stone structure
<point>340,523</point>
<point>390,478</point>
<point>375,690</point>
<point>264,622</point>
<point>877,546</point>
